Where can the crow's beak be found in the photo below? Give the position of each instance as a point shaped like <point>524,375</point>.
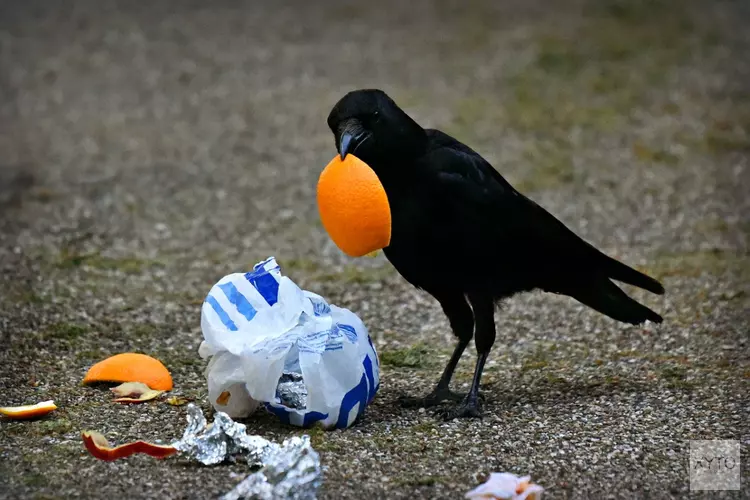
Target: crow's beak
<point>346,144</point>
<point>352,134</point>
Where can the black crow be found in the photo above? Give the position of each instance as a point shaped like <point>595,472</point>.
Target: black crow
<point>462,233</point>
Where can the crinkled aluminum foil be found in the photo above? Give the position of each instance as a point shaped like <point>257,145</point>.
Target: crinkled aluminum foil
<point>223,439</point>
<point>291,470</point>
<point>292,391</point>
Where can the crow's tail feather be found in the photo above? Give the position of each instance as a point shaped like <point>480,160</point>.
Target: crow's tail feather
<point>609,299</point>
<point>621,272</point>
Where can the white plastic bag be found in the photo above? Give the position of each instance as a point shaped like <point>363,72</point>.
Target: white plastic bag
<point>259,326</point>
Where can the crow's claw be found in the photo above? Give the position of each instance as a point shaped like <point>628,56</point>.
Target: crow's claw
<point>432,399</point>
<point>465,409</point>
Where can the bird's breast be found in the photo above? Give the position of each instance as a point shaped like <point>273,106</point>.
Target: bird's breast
<point>421,246</point>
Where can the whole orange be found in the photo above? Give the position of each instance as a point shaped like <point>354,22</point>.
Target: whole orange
<point>353,206</point>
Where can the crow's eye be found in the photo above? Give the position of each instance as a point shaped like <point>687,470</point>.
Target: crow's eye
<point>376,116</point>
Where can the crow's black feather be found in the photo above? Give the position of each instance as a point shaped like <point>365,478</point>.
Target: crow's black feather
<point>463,233</point>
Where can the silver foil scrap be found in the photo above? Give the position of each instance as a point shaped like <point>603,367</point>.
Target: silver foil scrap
<point>292,391</point>
<point>290,470</point>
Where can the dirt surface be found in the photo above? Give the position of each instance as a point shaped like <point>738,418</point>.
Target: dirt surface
<point>147,149</point>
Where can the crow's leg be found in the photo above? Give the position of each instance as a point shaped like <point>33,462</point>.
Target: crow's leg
<point>461,320</point>
<point>441,392</point>
<point>484,338</point>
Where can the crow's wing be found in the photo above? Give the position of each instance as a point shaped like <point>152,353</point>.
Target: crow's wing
<point>514,227</point>
<point>471,186</point>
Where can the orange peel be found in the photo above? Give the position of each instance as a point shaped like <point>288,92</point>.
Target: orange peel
<point>134,392</point>
<point>353,206</point>
<point>99,447</point>
<point>28,411</point>
<point>131,367</point>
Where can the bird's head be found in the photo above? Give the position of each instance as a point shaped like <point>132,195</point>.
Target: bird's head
<point>368,124</point>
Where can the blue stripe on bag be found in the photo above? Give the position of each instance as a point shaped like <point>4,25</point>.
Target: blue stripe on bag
<point>223,316</point>
<point>350,332</point>
<point>279,412</point>
<point>238,300</point>
<point>313,416</point>
<point>370,378</point>
<point>320,308</point>
<point>377,360</point>
<point>286,415</point>
<point>266,285</point>
<point>356,395</point>
<point>267,265</point>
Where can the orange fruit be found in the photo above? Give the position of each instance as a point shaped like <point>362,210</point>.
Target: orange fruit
<point>353,206</point>
<point>131,367</point>
<point>28,411</point>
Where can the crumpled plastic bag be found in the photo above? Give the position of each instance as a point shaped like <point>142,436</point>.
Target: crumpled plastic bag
<point>271,343</point>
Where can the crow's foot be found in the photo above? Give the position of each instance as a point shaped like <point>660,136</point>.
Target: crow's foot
<point>466,409</point>
<point>432,399</point>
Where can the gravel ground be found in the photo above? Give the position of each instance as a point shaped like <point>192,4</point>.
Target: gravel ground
<point>148,149</point>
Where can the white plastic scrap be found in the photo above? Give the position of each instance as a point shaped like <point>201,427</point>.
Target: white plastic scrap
<point>506,486</point>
